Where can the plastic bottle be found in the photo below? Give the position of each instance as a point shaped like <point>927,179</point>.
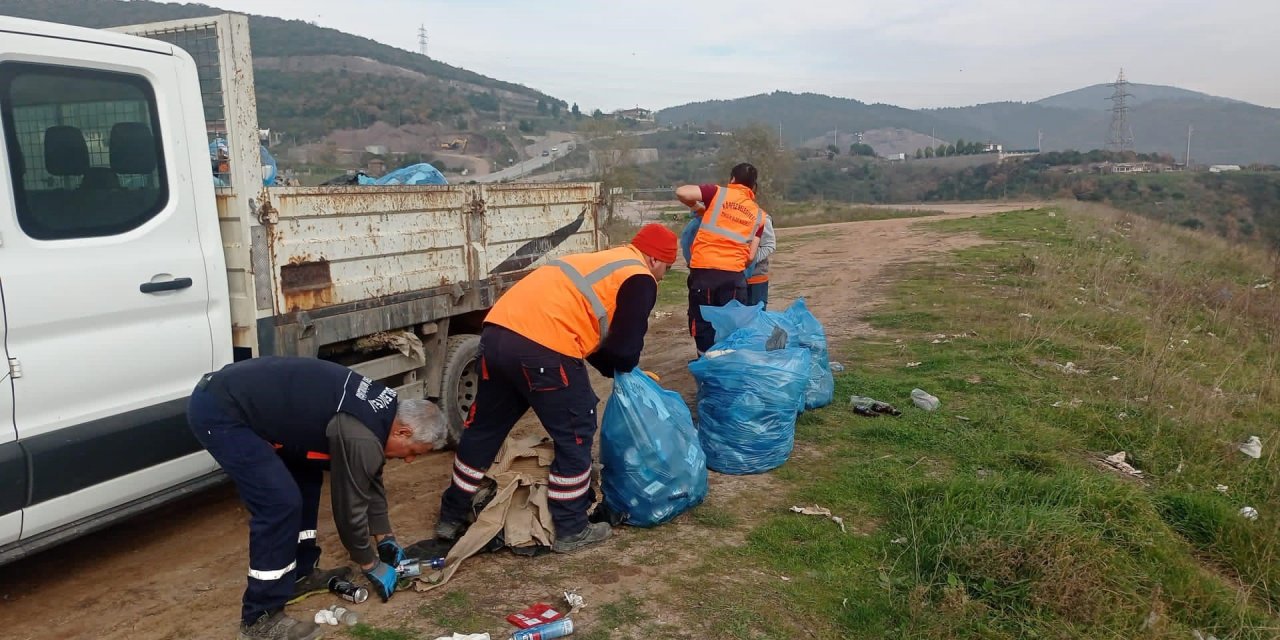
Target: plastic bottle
<point>345,615</point>
<point>558,629</point>
<point>925,401</point>
<point>413,568</point>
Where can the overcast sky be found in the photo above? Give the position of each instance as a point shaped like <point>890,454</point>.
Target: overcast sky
<point>914,53</point>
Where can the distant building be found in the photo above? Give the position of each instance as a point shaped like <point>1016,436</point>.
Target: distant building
<point>896,157</point>
<point>1219,168</point>
<point>992,147</point>
<point>642,115</point>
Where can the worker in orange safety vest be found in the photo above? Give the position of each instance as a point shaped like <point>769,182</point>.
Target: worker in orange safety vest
<point>589,308</point>
<point>725,244</point>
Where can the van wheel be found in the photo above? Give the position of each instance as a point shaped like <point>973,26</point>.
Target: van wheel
<point>461,379</point>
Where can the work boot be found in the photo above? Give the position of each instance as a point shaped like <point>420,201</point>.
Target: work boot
<point>450,530</point>
<point>278,626</point>
<point>594,533</point>
<point>316,582</point>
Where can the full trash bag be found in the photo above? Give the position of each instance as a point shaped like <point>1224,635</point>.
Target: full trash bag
<point>748,400</point>
<point>809,334</point>
<point>654,467</point>
<point>758,329</point>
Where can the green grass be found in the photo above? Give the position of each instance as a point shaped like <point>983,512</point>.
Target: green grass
<point>1000,525</point>
<point>454,610</point>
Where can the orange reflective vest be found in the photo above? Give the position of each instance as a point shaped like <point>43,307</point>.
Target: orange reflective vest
<point>567,304</point>
<point>723,241</point>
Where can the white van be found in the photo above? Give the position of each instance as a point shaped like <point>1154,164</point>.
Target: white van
<point>125,273</point>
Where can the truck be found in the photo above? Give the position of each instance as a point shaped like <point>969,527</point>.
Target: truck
<point>128,269</point>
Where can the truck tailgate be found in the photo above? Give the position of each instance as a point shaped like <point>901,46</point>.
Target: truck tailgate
<point>327,247</point>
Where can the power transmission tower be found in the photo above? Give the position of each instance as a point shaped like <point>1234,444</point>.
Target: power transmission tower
<point>1120,138</point>
<point>422,39</point>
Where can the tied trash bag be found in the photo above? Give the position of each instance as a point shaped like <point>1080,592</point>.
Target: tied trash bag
<point>809,334</point>
<point>748,400</point>
<point>654,467</point>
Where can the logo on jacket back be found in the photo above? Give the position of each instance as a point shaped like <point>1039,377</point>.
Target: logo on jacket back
<point>744,215</point>
<point>382,401</point>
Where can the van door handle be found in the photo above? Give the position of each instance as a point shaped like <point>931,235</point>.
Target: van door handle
<point>167,285</point>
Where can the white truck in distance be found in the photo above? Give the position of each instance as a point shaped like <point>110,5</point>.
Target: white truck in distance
<point>125,273</point>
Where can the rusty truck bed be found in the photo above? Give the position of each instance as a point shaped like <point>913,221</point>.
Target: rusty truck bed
<point>314,251</point>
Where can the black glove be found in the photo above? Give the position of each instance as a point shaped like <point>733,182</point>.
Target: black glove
<point>383,578</point>
<point>389,551</point>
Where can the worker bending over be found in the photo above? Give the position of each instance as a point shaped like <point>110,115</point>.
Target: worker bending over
<point>275,425</point>
<point>584,308</point>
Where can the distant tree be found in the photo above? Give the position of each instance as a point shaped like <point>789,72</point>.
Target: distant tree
<point>919,153</point>
<point>460,124</point>
<point>928,152</point>
<point>834,150</point>
<point>862,149</point>
<point>555,109</point>
<point>526,126</point>
<point>542,106</point>
<point>759,145</point>
<point>577,113</point>
<point>941,151</point>
<point>597,114</point>
<point>951,150</point>
<point>961,147</point>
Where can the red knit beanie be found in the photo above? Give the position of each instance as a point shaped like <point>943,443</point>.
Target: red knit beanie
<point>657,242</point>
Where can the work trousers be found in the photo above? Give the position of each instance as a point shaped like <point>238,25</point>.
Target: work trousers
<point>517,374</point>
<point>712,288</point>
<point>283,499</point>
<point>758,293</point>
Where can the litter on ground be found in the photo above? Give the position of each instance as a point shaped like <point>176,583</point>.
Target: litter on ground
<point>1249,513</point>
<point>815,510</point>
<point>1117,461</point>
<point>575,601</point>
<point>1252,447</point>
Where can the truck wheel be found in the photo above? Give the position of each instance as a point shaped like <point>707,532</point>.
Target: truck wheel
<point>461,379</point>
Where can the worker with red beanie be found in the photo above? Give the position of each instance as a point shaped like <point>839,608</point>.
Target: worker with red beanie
<point>588,308</point>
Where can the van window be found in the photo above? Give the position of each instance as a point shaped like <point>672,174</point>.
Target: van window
<point>84,150</point>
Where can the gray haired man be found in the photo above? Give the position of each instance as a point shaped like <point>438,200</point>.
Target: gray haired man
<point>275,425</point>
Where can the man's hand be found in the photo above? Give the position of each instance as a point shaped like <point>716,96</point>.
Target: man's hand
<point>389,551</point>
<point>383,578</point>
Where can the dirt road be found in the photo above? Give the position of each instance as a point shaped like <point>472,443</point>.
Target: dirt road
<point>178,573</point>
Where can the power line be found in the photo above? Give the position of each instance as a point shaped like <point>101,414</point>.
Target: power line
<point>1120,137</point>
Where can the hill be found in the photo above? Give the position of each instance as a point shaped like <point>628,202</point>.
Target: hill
<point>1094,98</point>
<point>810,115</point>
<point>1226,131</point>
<point>312,81</point>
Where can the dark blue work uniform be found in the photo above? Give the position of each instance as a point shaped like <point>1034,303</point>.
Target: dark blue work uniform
<point>264,420</point>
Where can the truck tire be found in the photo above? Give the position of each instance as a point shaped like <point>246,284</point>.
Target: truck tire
<point>461,379</point>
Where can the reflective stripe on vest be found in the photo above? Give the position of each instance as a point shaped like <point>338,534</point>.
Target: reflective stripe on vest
<point>583,284</point>
<point>712,225</point>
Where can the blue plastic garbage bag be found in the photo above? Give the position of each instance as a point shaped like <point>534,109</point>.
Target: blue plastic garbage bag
<point>755,328</point>
<point>687,236</point>
<point>748,401</point>
<point>654,467</point>
<point>421,173</point>
<point>810,335</point>
<point>218,150</point>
